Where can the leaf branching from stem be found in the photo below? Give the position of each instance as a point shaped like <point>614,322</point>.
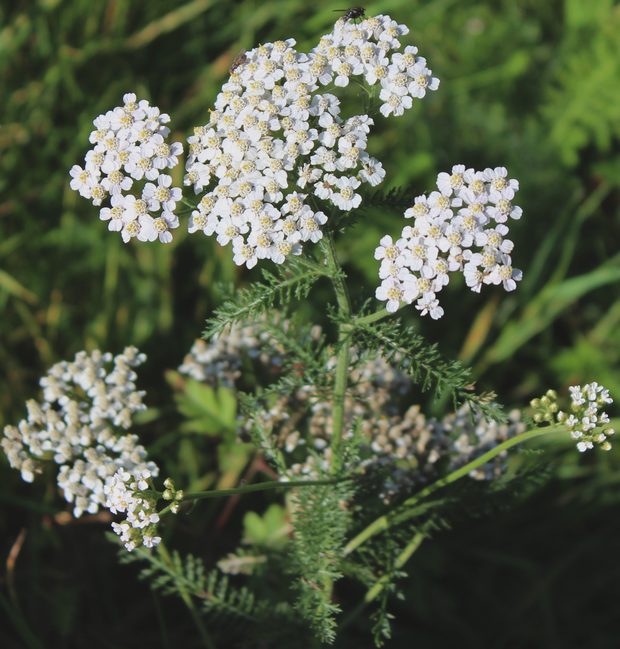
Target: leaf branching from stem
<point>410,352</point>
<point>292,281</point>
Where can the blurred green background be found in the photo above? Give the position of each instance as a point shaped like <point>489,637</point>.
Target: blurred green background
<point>533,86</point>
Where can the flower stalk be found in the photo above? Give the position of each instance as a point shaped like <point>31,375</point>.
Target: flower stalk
<point>342,359</point>
<point>270,485</point>
<point>407,509</point>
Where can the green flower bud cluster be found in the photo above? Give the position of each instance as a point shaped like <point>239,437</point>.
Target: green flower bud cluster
<point>171,493</point>
<point>545,408</point>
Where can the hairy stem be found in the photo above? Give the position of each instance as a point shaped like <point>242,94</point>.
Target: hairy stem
<point>406,509</point>
<point>342,359</point>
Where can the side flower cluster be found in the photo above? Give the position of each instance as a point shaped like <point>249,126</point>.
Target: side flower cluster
<point>130,145</point>
<point>470,209</point>
<point>587,423</point>
<point>275,144</point>
<point>85,402</point>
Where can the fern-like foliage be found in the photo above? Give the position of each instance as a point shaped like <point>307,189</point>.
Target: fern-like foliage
<point>304,353</point>
<point>397,198</point>
<point>321,522</point>
<point>244,617</point>
<point>410,352</point>
<point>379,565</point>
<point>261,437</point>
<point>382,618</point>
<point>303,360</point>
<point>175,575</point>
<point>241,562</point>
<point>291,281</point>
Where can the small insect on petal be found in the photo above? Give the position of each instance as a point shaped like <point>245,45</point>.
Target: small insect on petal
<point>353,13</point>
<point>238,61</point>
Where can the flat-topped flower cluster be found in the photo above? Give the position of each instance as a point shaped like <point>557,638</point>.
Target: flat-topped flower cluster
<point>85,402</point>
<point>130,145</point>
<point>274,144</point>
<point>471,208</point>
<point>127,493</point>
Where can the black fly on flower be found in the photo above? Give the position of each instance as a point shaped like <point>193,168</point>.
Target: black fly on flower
<point>352,13</point>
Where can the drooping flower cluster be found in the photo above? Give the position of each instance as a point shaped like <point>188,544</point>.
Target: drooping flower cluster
<point>218,362</point>
<point>470,209</point>
<point>274,144</point>
<point>130,145</point>
<point>85,402</point>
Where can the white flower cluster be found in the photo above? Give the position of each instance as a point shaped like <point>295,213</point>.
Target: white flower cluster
<point>130,144</point>
<point>274,144</point>
<point>470,208</point>
<point>126,493</point>
<point>587,423</point>
<point>436,447</point>
<point>84,402</point>
<point>369,49</point>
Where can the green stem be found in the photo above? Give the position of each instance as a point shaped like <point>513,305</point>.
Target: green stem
<point>187,598</point>
<point>401,560</point>
<point>260,486</point>
<point>376,590</point>
<point>372,317</point>
<point>342,359</point>
<point>383,522</point>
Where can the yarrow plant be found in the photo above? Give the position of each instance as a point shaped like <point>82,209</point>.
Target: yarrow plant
<point>331,413</point>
